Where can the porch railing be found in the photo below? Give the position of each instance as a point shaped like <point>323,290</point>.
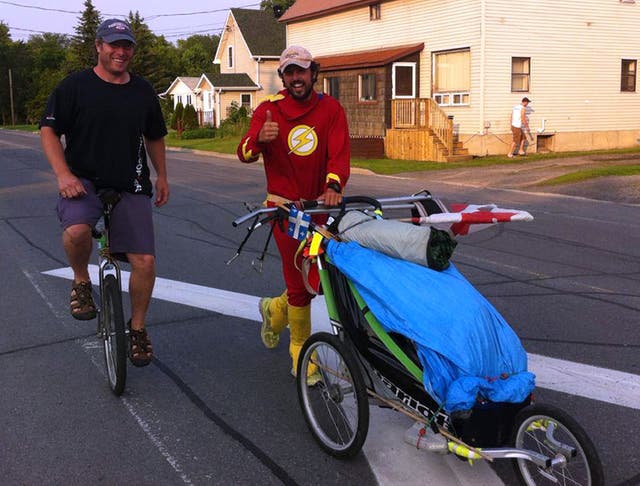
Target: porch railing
<point>423,114</point>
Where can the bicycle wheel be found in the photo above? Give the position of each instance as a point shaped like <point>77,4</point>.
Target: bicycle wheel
<point>551,431</point>
<point>113,334</point>
<point>336,408</point>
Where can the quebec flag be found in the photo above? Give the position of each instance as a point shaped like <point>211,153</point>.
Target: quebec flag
<point>298,224</point>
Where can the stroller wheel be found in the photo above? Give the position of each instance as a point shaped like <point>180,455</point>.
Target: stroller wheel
<point>336,407</point>
<point>550,431</point>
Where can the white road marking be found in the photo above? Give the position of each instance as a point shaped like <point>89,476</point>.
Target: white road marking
<point>606,385</point>
<point>89,347</point>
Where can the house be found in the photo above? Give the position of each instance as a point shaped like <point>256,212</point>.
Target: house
<point>424,75</point>
<point>219,92</point>
<point>249,51</point>
<point>183,90</point>
<point>248,55</point>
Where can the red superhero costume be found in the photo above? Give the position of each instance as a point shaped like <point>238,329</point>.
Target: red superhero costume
<point>310,152</point>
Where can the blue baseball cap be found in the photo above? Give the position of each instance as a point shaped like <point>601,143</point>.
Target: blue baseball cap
<point>112,30</point>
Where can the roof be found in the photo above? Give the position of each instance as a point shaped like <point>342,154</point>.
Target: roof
<point>372,58</point>
<point>305,9</point>
<point>240,81</point>
<point>189,81</point>
<point>262,32</point>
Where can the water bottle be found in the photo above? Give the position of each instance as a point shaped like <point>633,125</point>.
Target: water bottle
<point>422,437</point>
<point>99,229</point>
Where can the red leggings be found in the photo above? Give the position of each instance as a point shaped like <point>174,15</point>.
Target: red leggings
<point>297,293</point>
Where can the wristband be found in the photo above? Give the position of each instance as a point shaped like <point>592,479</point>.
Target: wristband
<point>335,186</point>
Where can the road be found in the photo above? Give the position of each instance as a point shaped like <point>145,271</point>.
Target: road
<point>216,407</point>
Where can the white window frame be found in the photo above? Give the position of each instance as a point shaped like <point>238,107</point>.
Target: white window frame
<point>361,97</point>
<point>179,100</point>
<point>230,57</point>
<point>189,100</point>
<point>413,67</point>
<point>450,98</point>
<point>327,86</point>
<point>453,98</point>
<point>248,105</point>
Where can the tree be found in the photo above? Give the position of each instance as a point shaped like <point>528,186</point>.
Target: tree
<point>278,7</point>
<point>189,118</point>
<point>176,119</point>
<point>48,53</point>
<point>82,48</point>
<point>196,54</point>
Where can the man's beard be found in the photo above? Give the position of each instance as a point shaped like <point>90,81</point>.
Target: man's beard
<point>300,97</point>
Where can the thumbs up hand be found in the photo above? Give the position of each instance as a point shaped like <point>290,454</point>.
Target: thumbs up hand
<point>269,130</point>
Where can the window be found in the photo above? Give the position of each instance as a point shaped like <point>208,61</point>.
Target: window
<point>178,99</point>
<point>332,87</point>
<point>367,87</point>
<point>188,99</point>
<point>452,77</point>
<point>520,74</point>
<point>245,100</point>
<point>230,56</point>
<point>404,80</point>
<point>628,77</point>
<point>374,11</point>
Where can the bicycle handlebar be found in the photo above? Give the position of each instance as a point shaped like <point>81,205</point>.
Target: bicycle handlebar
<point>354,202</point>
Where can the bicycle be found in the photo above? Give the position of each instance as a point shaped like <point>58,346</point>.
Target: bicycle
<point>360,362</point>
<point>111,326</point>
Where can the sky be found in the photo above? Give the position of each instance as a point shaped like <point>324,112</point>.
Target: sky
<point>173,19</point>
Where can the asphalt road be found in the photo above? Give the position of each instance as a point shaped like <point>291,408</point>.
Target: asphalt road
<point>215,407</point>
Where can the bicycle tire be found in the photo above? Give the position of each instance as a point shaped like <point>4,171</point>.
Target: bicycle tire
<point>114,335</point>
<point>529,432</point>
<point>336,409</point>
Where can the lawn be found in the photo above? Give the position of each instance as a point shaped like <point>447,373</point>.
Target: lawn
<point>228,145</point>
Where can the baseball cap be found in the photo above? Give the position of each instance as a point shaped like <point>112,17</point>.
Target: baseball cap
<point>295,55</point>
<point>526,99</point>
<point>112,30</point>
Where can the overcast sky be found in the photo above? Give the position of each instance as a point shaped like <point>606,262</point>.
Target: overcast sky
<point>173,19</point>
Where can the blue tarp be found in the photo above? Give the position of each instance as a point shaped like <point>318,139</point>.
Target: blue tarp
<point>465,346</point>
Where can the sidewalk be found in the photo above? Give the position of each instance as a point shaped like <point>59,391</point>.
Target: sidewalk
<point>528,175</point>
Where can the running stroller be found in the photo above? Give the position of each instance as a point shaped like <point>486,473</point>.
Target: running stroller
<point>365,361</point>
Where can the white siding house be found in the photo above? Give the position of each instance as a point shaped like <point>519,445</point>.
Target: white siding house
<point>576,60</point>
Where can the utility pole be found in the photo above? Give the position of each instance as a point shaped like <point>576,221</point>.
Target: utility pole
<point>13,117</point>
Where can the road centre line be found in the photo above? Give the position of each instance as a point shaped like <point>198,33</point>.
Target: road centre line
<point>606,385</point>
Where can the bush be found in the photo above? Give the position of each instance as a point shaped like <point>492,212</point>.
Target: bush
<point>198,133</point>
<point>189,118</point>
<point>236,123</point>
<point>177,115</point>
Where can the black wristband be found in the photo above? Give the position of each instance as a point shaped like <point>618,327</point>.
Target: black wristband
<point>335,186</point>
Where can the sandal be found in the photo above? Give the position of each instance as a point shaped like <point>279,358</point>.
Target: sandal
<point>81,302</point>
<point>140,349</point>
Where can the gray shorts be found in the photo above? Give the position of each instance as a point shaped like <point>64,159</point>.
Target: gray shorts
<point>131,223</point>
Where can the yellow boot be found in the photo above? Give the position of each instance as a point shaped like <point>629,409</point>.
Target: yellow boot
<point>274,319</point>
<point>300,328</point>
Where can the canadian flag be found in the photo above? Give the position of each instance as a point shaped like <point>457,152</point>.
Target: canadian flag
<point>463,216</point>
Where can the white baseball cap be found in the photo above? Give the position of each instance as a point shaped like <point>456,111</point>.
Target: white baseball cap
<point>295,55</point>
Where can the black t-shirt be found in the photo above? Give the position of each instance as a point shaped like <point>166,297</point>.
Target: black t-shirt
<point>104,124</point>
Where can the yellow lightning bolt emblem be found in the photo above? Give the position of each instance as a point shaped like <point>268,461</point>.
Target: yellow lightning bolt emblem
<point>247,154</point>
<point>302,140</point>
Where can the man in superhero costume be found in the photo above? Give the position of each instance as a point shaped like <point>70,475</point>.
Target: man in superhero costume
<point>304,141</point>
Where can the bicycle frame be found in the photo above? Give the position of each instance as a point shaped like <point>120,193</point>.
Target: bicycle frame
<point>107,264</point>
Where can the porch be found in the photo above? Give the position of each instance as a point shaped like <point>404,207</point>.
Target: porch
<point>421,130</point>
